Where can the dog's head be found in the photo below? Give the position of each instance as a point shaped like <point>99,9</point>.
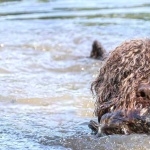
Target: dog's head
<point>122,88</point>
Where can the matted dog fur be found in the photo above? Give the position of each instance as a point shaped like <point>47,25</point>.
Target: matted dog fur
<point>122,89</point>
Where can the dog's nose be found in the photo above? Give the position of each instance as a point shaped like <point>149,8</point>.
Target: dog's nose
<point>144,91</point>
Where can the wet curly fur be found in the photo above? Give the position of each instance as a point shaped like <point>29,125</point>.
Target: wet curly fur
<point>116,87</point>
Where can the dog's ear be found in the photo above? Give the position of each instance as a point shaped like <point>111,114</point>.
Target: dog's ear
<point>97,51</point>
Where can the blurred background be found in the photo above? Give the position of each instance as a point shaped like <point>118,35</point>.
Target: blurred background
<point>45,72</point>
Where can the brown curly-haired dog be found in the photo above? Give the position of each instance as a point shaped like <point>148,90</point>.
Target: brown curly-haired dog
<point>122,90</point>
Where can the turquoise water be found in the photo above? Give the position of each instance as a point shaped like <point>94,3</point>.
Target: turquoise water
<point>45,72</point>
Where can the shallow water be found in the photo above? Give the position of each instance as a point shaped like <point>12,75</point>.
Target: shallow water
<point>45,72</point>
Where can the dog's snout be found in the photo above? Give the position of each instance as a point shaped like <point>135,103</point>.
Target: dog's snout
<point>144,91</point>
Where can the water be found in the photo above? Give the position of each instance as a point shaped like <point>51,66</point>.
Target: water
<point>45,72</point>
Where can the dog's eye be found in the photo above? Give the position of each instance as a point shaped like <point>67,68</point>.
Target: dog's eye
<point>142,94</point>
